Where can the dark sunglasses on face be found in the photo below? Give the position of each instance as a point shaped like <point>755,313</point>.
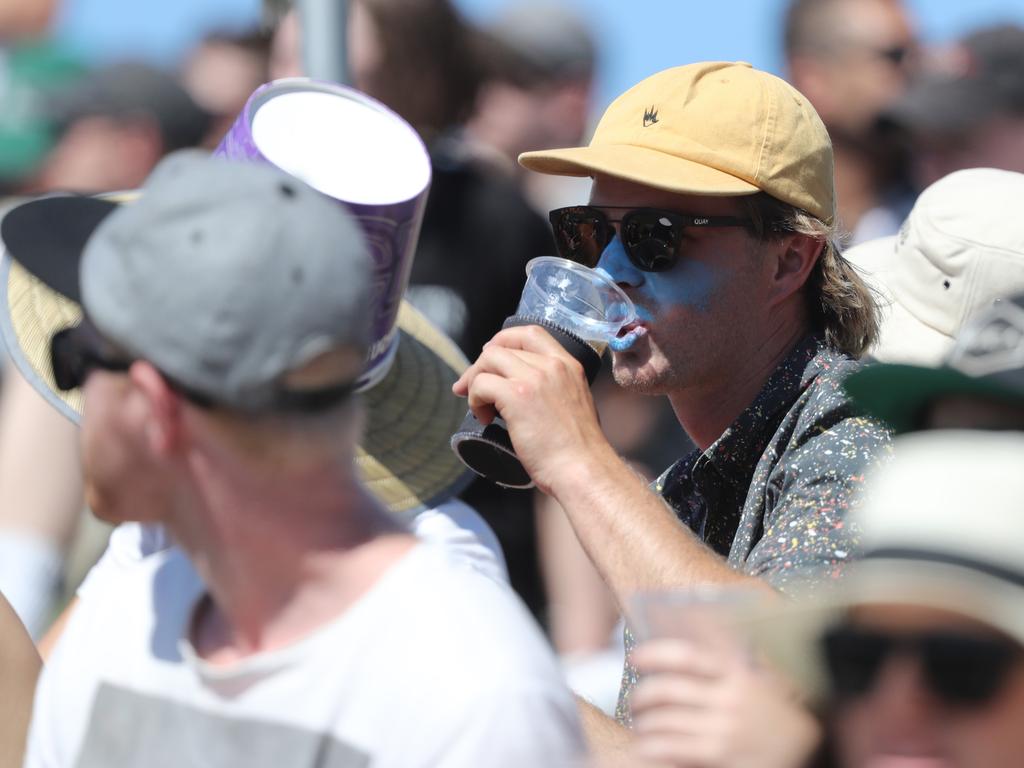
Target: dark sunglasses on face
<point>958,668</point>
<point>651,237</point>
<point>77,351</point>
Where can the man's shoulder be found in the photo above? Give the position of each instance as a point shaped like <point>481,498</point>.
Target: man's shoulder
<point>464,611</point>
<point>824,437</point>
<point>808,479</point>
<point>436,582</point>
<point>824,407</point>
<point>123,629</point>
<point>461,530</point>
<point>476,674</point>
<point>124,610</point>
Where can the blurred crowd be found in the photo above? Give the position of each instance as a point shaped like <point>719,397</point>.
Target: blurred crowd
<point>916,657</point>
<point>478,97</point>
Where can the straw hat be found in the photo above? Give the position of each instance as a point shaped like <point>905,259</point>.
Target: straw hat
<point>404,456</point>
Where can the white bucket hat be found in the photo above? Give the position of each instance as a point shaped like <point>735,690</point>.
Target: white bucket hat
<point>960,249</point>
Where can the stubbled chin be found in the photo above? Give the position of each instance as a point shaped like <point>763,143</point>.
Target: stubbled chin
<point>632,372</point>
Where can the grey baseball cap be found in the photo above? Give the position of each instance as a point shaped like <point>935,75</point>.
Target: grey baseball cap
<point>228,276</point>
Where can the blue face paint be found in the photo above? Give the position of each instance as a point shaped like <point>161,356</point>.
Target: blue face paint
<point>622,343</point>
<point>615,264</point>
<point>690,284</point>
<point>643,315</point>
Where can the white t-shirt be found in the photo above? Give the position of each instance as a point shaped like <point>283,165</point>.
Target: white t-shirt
<point>454,525</point>
<point>433,666</point>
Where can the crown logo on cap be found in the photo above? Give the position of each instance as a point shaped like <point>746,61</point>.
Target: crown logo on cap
<point>650,117</point>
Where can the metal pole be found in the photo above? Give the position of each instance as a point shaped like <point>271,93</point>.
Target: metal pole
<point>323,24</point>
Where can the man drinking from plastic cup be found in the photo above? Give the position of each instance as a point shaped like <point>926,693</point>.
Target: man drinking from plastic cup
<point>713,208</point>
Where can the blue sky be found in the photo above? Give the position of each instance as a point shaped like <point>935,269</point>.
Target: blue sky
<point>154,30</point>
<point>639,37</point>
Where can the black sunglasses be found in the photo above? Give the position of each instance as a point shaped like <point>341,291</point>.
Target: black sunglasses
<point>960,669</point>
<point>651,236</point>
<point>77,351</point>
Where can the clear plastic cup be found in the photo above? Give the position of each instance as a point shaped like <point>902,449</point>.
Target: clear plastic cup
<point>706,615</point>
<point>575,298</point>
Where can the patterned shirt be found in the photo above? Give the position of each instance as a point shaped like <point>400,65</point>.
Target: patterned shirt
<point>772,493</point>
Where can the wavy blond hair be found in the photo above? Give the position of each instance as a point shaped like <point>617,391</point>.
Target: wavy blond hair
<point>839,303</point>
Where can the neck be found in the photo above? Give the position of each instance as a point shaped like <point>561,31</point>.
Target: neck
<point>706,411</point>
<point>278,562</point>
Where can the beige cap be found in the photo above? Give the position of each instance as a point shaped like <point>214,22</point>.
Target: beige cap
<point>713,128</point>
<point>960,249</point>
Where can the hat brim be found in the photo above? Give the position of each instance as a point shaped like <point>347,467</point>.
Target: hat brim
<point>788,636</point>
<point>404,457</point>
<point>899,394</point>
<point>47,236</point>
<point>641,165</point>
<point>903,337</point>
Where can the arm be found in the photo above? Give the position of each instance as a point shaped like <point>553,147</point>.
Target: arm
<point>43,496</point>
<point>19,670</point>
<point>607,741</point>
<point>632,537</point>
<point>581,612</point>
<point>40,498</point>
<point>49,640</point>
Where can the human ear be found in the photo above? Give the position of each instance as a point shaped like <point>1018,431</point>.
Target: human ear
<point>163,407</point>
<point>795,258</point>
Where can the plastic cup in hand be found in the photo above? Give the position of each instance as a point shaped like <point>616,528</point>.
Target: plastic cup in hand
<point>574,298</point>
<point>583,310</point>
<point>706,615</point>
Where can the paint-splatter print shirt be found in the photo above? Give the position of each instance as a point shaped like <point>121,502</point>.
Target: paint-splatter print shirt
<point>772,493</point>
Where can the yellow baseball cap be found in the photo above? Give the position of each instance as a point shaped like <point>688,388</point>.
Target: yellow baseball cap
<point>712,128</point>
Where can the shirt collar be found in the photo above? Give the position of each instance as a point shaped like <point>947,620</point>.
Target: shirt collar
<point>736,452</point>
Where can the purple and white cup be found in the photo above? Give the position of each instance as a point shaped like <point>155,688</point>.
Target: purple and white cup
<point>352,148</point>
